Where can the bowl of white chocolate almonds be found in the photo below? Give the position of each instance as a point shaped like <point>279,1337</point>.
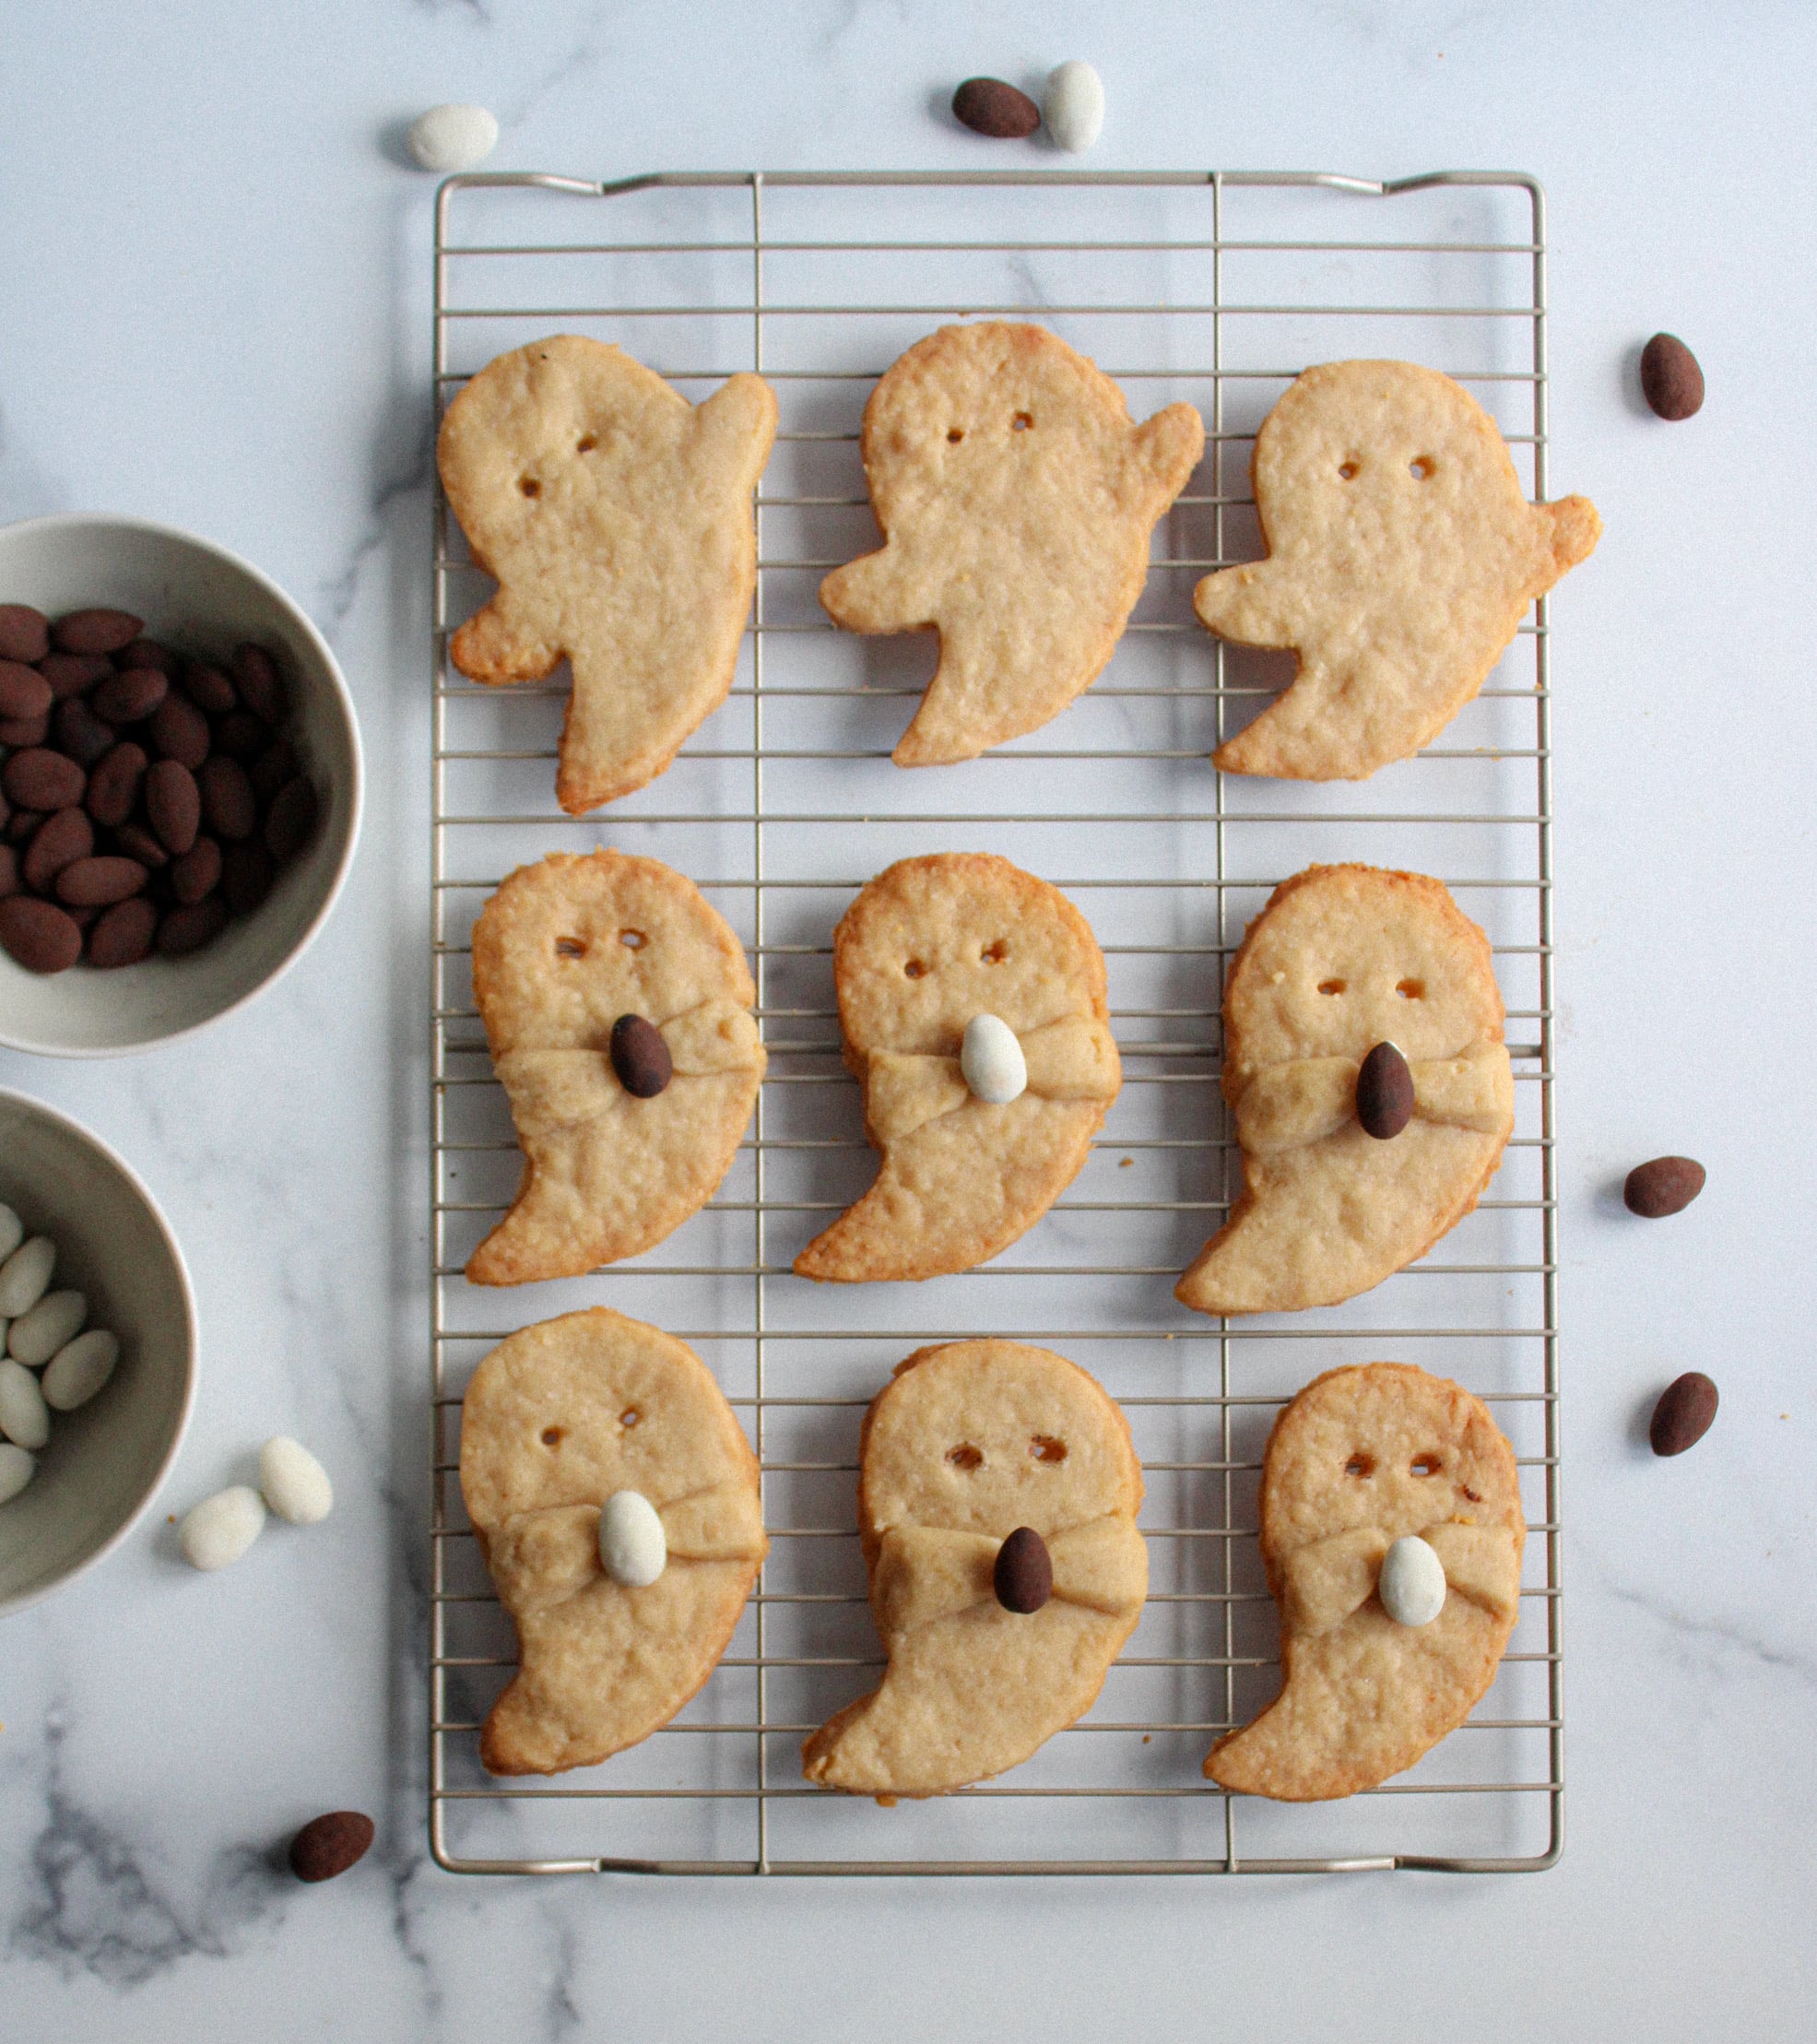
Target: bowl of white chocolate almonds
<point>96,1350</point>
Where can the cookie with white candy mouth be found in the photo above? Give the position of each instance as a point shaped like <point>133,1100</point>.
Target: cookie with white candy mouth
<point>1365,1467</point>
<point>998,1494</point>
<point>617,1005</point>
<point>560,1423</point>
<point>1344,959</point>
<point>982,1123</point>
<point>1016,496</point>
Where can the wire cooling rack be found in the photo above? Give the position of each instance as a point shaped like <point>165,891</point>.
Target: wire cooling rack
<point>1216,289</point>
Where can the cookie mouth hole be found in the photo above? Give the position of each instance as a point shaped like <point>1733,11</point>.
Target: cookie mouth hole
<point>632,939</point>
<point>530,486</point>
<point>586,446</point>
<point>1360,1464</point>
<point>1426,1465</point>
<point>1022,422</point>
<point>914,969</point>
<point>1421,468</point>
<point>994,954</point>
<point>1347,470</point>
<point>955,435</point>
<point>569,947</point>
<point>631,1417</point>
<point>1332,985</point>
<point>1411,989</point>
<point>551,1436</point>
<point>965,1456</point>
<point>1046,1448</point>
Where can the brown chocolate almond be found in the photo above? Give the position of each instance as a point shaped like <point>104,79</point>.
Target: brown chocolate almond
<point>23,690</point>
<point>25,633</point>
<point>38,935</point>
<point>640,1057</point>
<point>291,822</point>
<point>113,786</point>
<point>994,107</point>
<point>227,797</point>
<point>1683,1417</point>
<point>330,1844</point>
<point>61,840</point>
<point>209,690</point>
<point>99,882</point>
<point>180,731</point>
<point>260,683</point>
<point>1662,1185</point>
<point>74,673</point>
<point>96,630</point>
<point>197,873</point>
<point>1383,1092</point>
<point>1670,380</point>
<point>172,805</point>
<point>189,929</point>
<point>37,778</point>
<point>129,697</point>
<point>1023,1575</point>
<point>121,935</point>
<point>79,732</point>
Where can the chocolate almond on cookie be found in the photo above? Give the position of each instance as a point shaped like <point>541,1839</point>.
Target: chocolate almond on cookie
<point>1402,556</point>
<point>1392,1533</point>
<point>972,1003</point>
<point>998,1492</point>
<point>1016,499</point>
<point>616,1501</point>
<point>1369,1085</point>
<point>617,1005</point>
<point>617,518</point>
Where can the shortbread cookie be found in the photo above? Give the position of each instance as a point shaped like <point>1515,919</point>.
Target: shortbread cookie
<point>1401,560</point>
<point>559,1421</point>
<point>563,951</point>
<point>1016,500</point>
<point>929,946</point>
<point>1344,958</point>
<point>966,1444</point>
<point>1362,1459</point>
<point>617,518</point>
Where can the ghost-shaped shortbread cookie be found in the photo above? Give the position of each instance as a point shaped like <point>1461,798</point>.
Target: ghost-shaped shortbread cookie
<point>966,1446</point>
<point>617,1005</point>
<point>617,518</point>
<point>929,948</point>
<point>1345,958</point>
<point>560,1420</point>
<point>1401,559</point>
<point>1365,1459</point>
<point>1016,500</point>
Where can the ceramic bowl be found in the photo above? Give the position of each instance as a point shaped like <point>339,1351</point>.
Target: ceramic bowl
<point>105,1461</point>
<point>200,598</point>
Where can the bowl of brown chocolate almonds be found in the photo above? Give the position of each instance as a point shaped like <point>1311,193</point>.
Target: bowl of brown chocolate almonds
<point>180,784</point>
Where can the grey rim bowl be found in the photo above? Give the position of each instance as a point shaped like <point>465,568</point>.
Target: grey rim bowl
<point>107,1461</point>
<point>202,598</point>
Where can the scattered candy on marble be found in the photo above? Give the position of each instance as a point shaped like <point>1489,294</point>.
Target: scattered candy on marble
<point>1073,105</point>
<point>994,107</point>
<point>991,1061</point>
<point>330,1844</point>
<point>26,1276</point>
<point>25,1419</point>
<point>221,1528</point>
<point>633,1549</point>
<point>1670,379</point>
<point>79,1369</point>
<point>1662,1185</point>
<point>15,1470</point>
<point>1685,1413</point>
<point>453,138</point>
<point>56,1321</point>
<point>1412,1584</point>
<point>295,1484</point>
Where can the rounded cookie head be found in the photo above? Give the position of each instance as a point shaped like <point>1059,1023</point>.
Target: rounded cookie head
<point>569,945</point>
<point>932,942</point>
<point>984,1436</point>
<point>1389,1446</point>
<point>1346,957</point>
<point>577,1408</point>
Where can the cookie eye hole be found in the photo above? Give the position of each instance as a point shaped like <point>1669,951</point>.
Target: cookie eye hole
<point>1475,1496</point>
<point>1022,422</point>
<point>955,434</point>
<point>551,1436</point>
<point>965,1456</point>
<point>632,939</point>
<point>569,947</point>
<point>1332,985</point>
<point>994,954</point>
<point>914,969</point>
<point>1347,470</point>
<point>1411,989</point>
<point>530,486</point>
<point>586,446</point>
<point>1046,1448</point>
<point>1427,1464</point>
<point>1360,1464</point>
<point>629,1417</point>
<point>1421,468</point>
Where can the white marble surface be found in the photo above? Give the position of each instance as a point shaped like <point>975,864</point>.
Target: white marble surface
<point>215,315</point>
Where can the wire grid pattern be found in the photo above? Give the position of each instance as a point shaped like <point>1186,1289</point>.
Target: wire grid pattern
<point>1213,288</point>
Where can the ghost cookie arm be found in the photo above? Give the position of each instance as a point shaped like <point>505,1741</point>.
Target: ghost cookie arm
<point>1323,1582</point>
<point>1568,531</point>
<point>1167,449</point>
<point>905,1091</point>
<point>886,591</point>
<point>1282,1107</point>
<point>1474,1090</point>
<point>923,1573</point>
<point>550,1090</point>
<point>737,426</point>
<point>1255,605</point>
<point>722,1524</point>
<point>504,643</point>
<point>1102,1564</point>
<point>716,1036</point>
<point>540,1559</point>
<point>1481,1565</point>
<point>1074,1059</point>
